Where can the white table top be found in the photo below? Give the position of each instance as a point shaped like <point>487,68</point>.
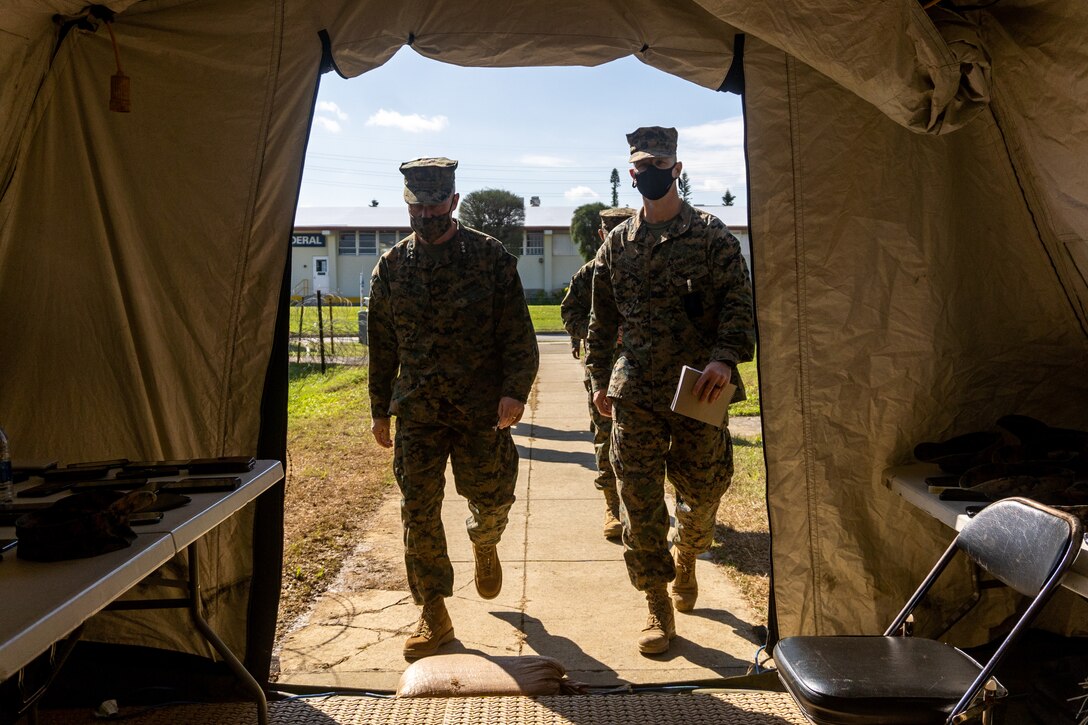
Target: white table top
<point>208,510</point>
<point>44,602</point>
<point>910,483</point>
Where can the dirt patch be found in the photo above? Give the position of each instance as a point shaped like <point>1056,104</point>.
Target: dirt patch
<point>337,477</point>
<point>376,562</point>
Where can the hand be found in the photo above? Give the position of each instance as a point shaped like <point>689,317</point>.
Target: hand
<point>510,412</point>
<point>603,403</point>
<point>708,387</point>
<point>380,429</point>
<point>576,350</point>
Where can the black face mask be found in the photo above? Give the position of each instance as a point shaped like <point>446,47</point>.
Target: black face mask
<point>432,227</point>
<point>653,183</point>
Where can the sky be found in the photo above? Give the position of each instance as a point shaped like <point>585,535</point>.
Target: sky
<point>555,133</point>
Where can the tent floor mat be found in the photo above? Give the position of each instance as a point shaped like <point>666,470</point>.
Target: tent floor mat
<point>732,707</point>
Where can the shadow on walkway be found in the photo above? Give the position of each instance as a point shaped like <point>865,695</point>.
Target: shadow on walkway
<point>547,455</point>
<point>544,643</point>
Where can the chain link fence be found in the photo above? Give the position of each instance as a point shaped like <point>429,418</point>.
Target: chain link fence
<point>327,329</point>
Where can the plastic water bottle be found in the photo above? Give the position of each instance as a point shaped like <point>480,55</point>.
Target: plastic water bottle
<point>7,486</point>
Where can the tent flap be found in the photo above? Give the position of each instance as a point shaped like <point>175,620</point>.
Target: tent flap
<point>679,38</point>
<point>889,53</point>
<point>903,295</point>
<point>142,256</point>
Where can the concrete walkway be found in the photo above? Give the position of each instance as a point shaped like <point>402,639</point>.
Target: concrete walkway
<point>565,593</point>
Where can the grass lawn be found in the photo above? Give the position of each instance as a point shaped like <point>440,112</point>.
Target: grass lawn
<point>751,386</point>
<point>742,540</point>
<point>336,476</point>
<point>546,318</point>
<point>344,320</point>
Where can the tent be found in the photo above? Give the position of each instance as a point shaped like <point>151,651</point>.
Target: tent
<point>919,226</point>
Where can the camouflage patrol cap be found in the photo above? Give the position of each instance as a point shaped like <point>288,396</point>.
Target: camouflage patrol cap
<point>613,217</point>
<point>650,142</point>
<point>428,180</point>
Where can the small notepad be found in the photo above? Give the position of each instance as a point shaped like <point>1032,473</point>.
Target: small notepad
<point>684,401</point>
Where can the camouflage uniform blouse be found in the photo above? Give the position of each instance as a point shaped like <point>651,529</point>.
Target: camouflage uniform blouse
<point>575,306</point>
<point>456,327</point>
<point>683,299</point>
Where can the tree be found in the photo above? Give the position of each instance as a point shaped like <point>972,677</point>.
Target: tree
<point>684,187</point>
<point>583,228</point>
<point>534,201</point>
<point>373,202</point>
<point>728,198</point>
<point>615,181</point>
<point>496,212</point>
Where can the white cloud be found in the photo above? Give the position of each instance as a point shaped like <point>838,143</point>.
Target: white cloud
<point>543,160</point>
<point>580,192</point>
<point>711,185</point>
<point>727,132</point>
<point>333,109</point>
<point>713,156</point>
<point>327,123</point>
<point>414,123</point>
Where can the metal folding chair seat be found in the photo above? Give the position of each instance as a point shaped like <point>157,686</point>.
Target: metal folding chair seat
<point>892,679</point>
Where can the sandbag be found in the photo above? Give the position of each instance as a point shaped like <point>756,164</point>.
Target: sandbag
<point>469,675</point>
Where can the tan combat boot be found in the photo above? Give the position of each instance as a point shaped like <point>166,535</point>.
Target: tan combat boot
<point>613,529</point>
<point>685,590</point>
<point>488,571</point>
<point>660,625</point>
<point>433,630</point>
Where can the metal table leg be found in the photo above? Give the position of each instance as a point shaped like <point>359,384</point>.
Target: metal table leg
<point>209,634</point>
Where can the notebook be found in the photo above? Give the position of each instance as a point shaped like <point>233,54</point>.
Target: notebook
<point>684,401</point>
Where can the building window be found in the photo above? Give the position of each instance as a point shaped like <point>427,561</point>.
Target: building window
<point>346,245</point>
<point>388,239</point>
<point>534,243</point>
<point>367,244</point>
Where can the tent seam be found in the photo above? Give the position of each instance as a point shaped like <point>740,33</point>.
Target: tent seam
<point>802,337</point>
<point>242,264</point>
<point>753,247</point>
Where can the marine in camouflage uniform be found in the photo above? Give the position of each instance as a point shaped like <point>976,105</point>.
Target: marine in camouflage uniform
<point>575,312</point>
<point>681,291</point>
<point>453,356</point>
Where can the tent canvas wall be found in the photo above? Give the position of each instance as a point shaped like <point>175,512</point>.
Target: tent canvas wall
<point>919,226</point>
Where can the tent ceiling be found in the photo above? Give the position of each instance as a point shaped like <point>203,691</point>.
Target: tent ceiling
<point>680,37</point>
<point>924,69</point>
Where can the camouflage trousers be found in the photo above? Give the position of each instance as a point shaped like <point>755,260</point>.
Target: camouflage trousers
<point>698,460</point>
<point>485,470</point>
<point>601,428</point>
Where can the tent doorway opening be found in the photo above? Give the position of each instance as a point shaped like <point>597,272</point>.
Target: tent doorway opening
<point>551,137</point>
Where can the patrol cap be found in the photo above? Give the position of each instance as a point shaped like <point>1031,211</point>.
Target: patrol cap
<point>428,180</point>
<point>614,216</point>
<point>652,142</point>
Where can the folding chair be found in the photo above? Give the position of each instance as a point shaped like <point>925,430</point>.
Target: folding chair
<point>892,679</point>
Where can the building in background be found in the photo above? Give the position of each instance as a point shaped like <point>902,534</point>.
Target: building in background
<point>334,249</point>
